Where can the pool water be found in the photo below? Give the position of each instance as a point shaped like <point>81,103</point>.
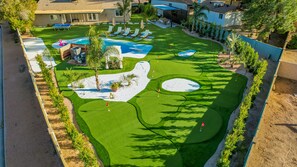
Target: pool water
<point>129,49</point>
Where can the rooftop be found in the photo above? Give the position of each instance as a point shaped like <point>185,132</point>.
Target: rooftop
<point>78,6</point>
<point>219,6</point>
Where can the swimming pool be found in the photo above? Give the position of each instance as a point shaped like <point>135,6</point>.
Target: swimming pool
<point>129,49</point>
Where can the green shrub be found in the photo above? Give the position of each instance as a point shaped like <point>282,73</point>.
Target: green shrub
<point>85,153</point>
<point>259,67</point>
<point>293,43</point>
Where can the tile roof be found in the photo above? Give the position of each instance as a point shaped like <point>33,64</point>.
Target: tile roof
<point>78,6</point>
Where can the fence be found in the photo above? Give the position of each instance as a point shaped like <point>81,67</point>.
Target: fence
<point>265,50</point>
<point>50,129</point>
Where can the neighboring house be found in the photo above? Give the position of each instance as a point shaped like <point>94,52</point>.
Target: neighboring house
<point>219,12</point>
<point>222,14</point>
<point>76,12</point>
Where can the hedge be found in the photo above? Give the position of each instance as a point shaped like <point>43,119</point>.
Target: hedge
<point>258,67</point>
<point>86,154</point>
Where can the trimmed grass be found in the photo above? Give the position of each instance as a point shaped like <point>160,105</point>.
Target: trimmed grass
<point>151,130</point>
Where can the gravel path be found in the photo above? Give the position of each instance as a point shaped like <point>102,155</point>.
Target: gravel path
<point>27,140</point>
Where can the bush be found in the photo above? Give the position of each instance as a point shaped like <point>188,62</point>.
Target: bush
<point>259,67</point>
<point>293,43</point>
<point>85,153</point>
<point>114,86</point>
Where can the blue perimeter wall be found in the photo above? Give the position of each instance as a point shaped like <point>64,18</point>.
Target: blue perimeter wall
<point>266,50</point>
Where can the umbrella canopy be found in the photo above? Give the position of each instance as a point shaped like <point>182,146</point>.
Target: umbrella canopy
<point>141,24</point>
<point>113,22</point>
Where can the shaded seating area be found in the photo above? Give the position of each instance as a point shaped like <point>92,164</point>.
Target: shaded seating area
<point>76,53</point>
<point>61,26</point>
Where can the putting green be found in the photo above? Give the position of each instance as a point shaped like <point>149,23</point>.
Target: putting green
<point>160,68</point>
<point>186,126</point>
<point>156,106</point>
<point>128,142</point>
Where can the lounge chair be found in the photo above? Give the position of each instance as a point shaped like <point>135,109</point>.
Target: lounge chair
<point>135,34</point>
<point>145,34</point>
<point>118,31</point>
<point>127,31</point>
<point>61,26</point>
<point>110,28</point>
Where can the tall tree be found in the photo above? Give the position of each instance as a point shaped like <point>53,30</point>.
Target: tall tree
<point>20,14</point>
<point>149,12</point>
<point>268,16</point>
<point>95,53</point>
<point>199,14</point>
<point>124,8</point>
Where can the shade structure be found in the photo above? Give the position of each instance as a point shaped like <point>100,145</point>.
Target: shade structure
<point>165,7</point>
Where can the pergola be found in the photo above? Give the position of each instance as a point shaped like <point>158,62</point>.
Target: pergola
<point>166,8</point>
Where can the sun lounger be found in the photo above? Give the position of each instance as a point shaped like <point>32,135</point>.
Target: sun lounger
<point>145,34</point>
<point>61,26</point>
<point>127,31</point>
<point>118,31</point>
<point>136,32</point>
<point>110,28</point>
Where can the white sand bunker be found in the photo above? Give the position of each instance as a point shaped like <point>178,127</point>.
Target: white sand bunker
<point>125,92</point>
<point>187,53</point>
<point>180,85</point>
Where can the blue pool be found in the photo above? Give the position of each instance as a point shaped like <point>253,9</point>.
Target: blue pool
<point>129,49</point>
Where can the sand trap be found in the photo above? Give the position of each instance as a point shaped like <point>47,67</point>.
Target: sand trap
<point>180,85</point>
<point>124,93</point>
<point>187,53</point>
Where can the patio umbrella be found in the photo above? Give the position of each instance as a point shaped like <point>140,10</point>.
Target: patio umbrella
<point>141,24</point>
<point>113,22</point>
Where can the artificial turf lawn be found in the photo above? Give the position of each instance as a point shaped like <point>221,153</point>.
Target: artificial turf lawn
<point>148,131</point>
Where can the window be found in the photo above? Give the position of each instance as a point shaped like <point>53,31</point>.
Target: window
<point>221,16</point>
<point>119,13</point>
<point>92,17</point>
<point>54,17</point>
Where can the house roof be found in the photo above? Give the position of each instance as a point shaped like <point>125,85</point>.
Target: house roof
<point>78,6</point>
<point>188,2</point>
<point>222,9</point>
<point>210,4</point>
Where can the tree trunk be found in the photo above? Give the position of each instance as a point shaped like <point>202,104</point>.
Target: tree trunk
<point>193,24</point>
<point>97,79</point>
<point>124,20</point>
<point>288,39</point>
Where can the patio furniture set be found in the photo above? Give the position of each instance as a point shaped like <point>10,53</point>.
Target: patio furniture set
<point>127,31</point>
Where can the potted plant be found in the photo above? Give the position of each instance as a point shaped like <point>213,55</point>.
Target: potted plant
<point>114,86</point>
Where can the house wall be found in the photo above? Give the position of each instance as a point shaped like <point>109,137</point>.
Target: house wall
<point>233,18</point>
<point>213,17</point>
<point>228,19</point>
<point>79,18</point>
<point>44,20</point>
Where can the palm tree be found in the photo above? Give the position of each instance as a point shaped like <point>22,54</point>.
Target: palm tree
<point>94,53</point>
<point>112,50</point>
<point>149,12</point>
<point>125,8</point>
<point>232,39</point>
<point>198,14</point>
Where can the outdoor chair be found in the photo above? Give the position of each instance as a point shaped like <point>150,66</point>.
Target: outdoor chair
<point>110,28</point>
<point>127,31</point>
<point>145,34</point>
<point>135,34</point>
<point>118,31</point>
